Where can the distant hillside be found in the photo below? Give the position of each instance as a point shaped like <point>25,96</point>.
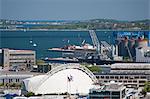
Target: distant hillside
<point>76,24</point>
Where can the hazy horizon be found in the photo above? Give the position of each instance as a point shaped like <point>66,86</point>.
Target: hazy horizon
<point>123,10</point>
<point>69,20</point>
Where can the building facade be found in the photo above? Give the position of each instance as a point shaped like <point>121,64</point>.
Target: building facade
<point>129,80</point>
<point>131,74</point>
<point>18,58</point>
<point>13,78</point>
<point>143,54</point>
<point>110,90</point>
<point>131,68</point>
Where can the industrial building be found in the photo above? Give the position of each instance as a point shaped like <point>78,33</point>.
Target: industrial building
<point>130,42</point>
<point>133,80</point>
<point>143,54</point>
<point>110,90</point>
<point>11,57</point>
<point>130,68</point>
<point>7,78</point>
<point>131,74</point>
<point>11,77</point>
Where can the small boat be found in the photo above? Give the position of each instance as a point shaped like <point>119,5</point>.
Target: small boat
<point>31,41</point>
<point>34,45</point>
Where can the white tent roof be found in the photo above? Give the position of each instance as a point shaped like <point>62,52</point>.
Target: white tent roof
<point>79,82</point>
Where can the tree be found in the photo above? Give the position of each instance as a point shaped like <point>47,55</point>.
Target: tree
<point>1,84</point>
<point>29,94</point>
<point>40,62</point>
<point>92,68</point>
<point>147,86</point>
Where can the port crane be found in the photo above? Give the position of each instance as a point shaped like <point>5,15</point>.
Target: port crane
<point>95,41</point>
<point>126,46</point>
<point>100,46</point>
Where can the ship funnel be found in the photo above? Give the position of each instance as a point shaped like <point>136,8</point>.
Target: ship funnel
<point>142,42</point>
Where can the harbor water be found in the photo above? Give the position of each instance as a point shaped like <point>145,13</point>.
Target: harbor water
<point>41,41</point>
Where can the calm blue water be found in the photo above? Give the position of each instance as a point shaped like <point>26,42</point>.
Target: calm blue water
<point>48,39</point>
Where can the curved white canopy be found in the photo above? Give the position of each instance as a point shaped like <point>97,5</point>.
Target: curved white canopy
<point>71,80</point>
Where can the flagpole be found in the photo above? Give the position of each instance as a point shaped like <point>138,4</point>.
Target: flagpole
<point>69,79</point>
<point>67,85</point>
<point>70,87</point>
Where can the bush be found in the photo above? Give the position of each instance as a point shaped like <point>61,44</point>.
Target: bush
<point>147,87</point>
<point>1,84</point>
<point>92,68</point>
<point>14,85</point>
<point>40,62</point>
<point>29,94</point>
<point>143,92</point>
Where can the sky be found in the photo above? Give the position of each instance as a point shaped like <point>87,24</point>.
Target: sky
<point>74,9</point>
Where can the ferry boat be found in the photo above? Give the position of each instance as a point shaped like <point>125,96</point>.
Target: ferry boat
<point>71,48</point>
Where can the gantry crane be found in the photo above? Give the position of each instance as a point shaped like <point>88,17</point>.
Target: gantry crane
<point>100,46</point>
<point>95,41</point>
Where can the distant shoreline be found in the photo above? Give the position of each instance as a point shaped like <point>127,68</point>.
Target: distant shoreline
<point>63,30</point>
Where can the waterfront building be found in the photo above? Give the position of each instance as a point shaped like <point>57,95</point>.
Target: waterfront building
<point>12,57</point>
<point>13,78</point>
<point>133,80</point>
<point>130,68</point>
<point>9,77</point>
<point>42,68</point>
<point>129,41</point>
<point>110,90</point>
<point>131,74</point>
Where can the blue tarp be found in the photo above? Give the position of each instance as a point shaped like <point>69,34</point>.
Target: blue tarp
<point>10,96</point>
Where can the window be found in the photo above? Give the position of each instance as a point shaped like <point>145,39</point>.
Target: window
<point>115,93</point>
<point>17,80</point>
<point>10,80</point>
<point>102,77</point>
<point>125,81</point>
<point>129,81</point>
<point>97,77</point>
<point>126,77</point>
<point>143,77</point>
<point>136,77</point>
<point>121,77</point>
<point>112,77</point>
<point>134,81</point>
<point>116,77</point>
<point>107,77</point>
<point>142,81</point>
<point>105,80</point>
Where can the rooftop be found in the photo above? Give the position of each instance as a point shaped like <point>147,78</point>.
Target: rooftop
<point>6,72</point>
<point>111,86</point>
<point>122,73</point>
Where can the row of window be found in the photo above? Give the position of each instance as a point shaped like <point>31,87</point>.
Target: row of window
<point>10,80</point>
<point>126,81</point>
<point>22,54</point>
<point>21,58</point>
<point>121,77</point>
